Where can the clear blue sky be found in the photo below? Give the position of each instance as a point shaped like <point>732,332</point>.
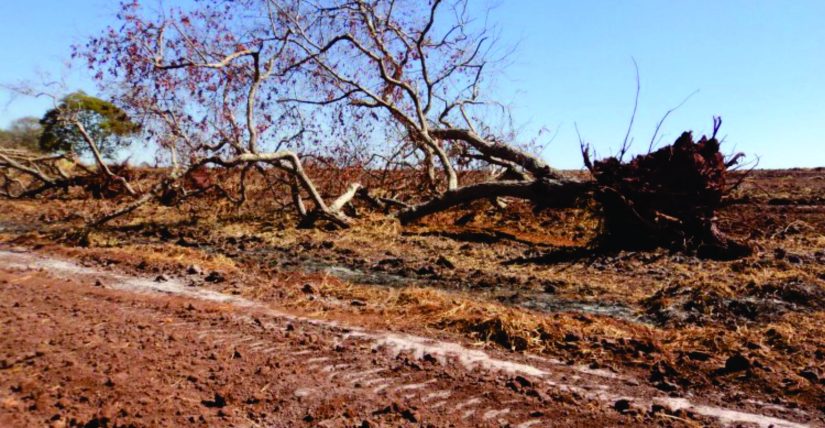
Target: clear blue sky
<point>759,64</point>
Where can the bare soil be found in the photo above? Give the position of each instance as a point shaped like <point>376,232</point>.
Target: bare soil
<point>200,316</point>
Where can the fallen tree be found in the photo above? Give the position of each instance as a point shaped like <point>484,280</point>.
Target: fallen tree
<point>391,60</point>
<point>667,198</point>
<point>217,90</point>
<point>77,124</point>
<point>28,174</point>
<point>428,80</point>
<point>203,82</point>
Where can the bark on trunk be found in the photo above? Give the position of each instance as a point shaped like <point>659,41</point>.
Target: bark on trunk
<point>497,150</point>
<point>99,159</point>
<point>544,193</point>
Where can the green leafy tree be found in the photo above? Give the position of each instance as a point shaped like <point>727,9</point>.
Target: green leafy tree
<point>23,133</point>
<point>83,124</point>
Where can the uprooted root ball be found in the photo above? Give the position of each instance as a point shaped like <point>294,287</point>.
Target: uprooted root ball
<point>667,198</point>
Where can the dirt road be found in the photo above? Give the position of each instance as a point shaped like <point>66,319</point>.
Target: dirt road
<point>83,346</point>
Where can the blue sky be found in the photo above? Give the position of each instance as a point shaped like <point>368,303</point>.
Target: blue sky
<point>759,64</point>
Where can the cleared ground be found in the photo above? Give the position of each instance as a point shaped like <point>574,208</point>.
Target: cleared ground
<point>502,319</point>
<point>94,347</point>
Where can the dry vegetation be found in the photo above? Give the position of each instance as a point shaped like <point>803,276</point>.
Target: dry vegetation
<point>345,159</point>
<point>749,329</point>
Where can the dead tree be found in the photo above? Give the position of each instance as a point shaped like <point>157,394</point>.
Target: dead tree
<point>203,82</point>
<point>217,89</point>
<point>390,57</point>
<point>28,173</point>
<point>428,79</point>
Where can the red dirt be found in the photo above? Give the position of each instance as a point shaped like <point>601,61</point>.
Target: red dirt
<point>659,326</point>
<point>82,353</point>
<point>97,348</point>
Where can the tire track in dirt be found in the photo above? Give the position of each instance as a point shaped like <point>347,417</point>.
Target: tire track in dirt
<point>411,378</point>
<point>332,362</point>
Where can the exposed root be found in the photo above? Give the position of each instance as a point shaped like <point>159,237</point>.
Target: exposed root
<point>666,198</point>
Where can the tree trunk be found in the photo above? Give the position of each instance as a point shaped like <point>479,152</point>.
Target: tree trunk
<point>544,193</point>
<point>99,159</point>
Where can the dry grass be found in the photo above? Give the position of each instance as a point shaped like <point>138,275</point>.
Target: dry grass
<point>472,299</point>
